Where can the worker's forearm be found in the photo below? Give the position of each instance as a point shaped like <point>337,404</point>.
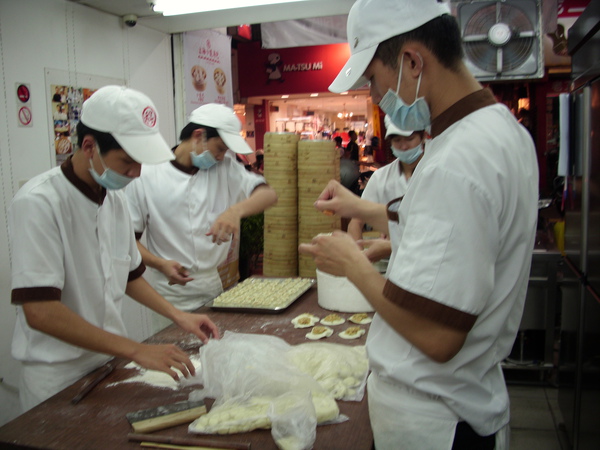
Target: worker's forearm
<point>262,198</point>
<point>148,258</point>
<point>57,320</point>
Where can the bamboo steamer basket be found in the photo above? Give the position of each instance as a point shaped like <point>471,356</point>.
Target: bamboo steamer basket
<point>280,255</point>
<point>318,163</point>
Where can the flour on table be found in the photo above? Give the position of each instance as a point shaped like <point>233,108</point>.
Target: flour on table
<point>160,379</point>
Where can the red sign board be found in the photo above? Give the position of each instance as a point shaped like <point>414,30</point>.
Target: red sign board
<point>297,70</point>
<point>23,93</point>
<point>571,8</point>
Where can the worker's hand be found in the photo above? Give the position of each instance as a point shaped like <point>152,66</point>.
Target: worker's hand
<point>338,200</point>
<point>197,324</point>
<point>165,358</point>
<point>333,253</point>
<point>226,227</point>
<point>175,272</point>
<point>376,249</point>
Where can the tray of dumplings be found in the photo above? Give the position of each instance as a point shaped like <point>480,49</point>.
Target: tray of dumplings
<point>265,295</point>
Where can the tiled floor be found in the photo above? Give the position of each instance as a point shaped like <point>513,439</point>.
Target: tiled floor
<point>535,418</point>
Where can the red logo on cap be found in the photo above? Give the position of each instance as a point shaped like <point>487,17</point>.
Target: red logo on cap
<point>149,117</point>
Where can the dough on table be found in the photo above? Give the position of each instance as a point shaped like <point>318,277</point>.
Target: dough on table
<point>352,333</point>
<point>304,320</point>
<point>319,332</point>
<point>360,318</point>
<point>332,319</point>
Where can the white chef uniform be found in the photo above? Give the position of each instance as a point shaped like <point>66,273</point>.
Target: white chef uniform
<point>386,184</point>
<point>74,246</point>
<point>462,237</point>
<point>176,208</point>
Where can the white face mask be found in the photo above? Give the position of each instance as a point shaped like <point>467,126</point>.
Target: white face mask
<point>204,160</point>
<point>109,178</point>
<point>406,117</point>
<point>408,156</point>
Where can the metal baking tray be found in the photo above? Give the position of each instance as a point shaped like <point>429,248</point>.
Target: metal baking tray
<point>255,287</point>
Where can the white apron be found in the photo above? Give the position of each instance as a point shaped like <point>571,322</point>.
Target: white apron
<point>403,418</point>
<point>40,381</point>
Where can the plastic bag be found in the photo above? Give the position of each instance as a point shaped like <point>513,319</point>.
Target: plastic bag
<point>340,369</point>
<point>293,422</point>
<point>246,373</point>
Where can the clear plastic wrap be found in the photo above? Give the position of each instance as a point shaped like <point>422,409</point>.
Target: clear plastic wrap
<point>293,422</point>
<point>340,369</point>
<point>250,375</point>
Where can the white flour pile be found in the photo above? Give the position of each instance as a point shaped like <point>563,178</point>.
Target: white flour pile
<point>160,379</point>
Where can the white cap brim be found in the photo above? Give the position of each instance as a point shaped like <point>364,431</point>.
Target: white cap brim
<point>352,74</point>
<point>146,149</point>
<point>235,142</point>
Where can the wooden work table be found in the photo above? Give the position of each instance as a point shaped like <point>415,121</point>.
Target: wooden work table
<point>98,421</point>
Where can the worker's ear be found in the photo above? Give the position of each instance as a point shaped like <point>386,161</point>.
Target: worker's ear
<point>413,61</point>
<point>198,133</point>
<point>88,145</point>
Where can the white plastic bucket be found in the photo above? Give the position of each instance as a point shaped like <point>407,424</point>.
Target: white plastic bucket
<point>339,294</point>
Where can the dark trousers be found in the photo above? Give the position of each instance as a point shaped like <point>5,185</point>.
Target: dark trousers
<point>465,438</point>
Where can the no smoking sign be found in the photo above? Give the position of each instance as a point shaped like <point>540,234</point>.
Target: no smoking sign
<point>23,104</point>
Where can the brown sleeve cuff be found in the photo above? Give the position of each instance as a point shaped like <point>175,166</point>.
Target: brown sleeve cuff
<point>430,309</point>
<point>136,273</point>
<point>34,294</point>
<point>138,236</point>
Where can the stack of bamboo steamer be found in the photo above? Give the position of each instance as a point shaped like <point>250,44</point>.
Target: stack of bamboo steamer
<point>280,256</point>
<point>318,163</point>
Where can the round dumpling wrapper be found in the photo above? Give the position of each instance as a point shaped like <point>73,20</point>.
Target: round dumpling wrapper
<point>319,332</point>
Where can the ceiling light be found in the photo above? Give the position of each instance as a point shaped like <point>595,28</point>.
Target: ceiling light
<point>314,95</point>
<point>344,93</point>
<point>285,96</point>
<point>176,7</point>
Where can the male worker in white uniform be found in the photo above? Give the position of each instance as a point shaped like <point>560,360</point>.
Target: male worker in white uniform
<point>74,254</point>
<point>191,208</point>
<point>449,308</point>
<point>388,183</point>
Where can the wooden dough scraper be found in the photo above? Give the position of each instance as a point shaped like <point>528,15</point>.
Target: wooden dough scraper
<point>159,418</point>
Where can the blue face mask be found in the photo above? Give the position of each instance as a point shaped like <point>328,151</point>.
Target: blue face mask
<point>109,178</point>
<point>406,117</point>
<point>204,160</point>
<point>408,156</point>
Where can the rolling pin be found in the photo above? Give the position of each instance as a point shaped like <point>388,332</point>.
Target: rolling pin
<point>100,375</point>
<point>194,442</point>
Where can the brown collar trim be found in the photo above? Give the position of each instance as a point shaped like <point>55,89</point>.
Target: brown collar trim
<point>189,170</point>
<point>430,309</point>
<point>462,108</point>
<point>393,215</point>
<point>69,171</point>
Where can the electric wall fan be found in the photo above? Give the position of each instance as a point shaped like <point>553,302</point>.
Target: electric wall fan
<point>502,39</point>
